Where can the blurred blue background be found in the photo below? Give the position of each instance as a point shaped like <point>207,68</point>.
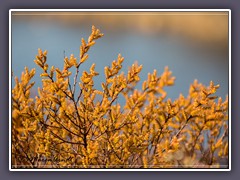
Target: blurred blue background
<point>192,45</point>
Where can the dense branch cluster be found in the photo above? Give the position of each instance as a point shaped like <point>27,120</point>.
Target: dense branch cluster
<point>75,125</point>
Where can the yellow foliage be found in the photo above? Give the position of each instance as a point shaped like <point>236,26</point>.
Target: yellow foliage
<point>70,126</point>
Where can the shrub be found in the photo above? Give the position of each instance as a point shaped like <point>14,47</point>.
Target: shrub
<point>74,125</point>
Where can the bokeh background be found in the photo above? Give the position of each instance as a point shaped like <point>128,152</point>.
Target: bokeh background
<point>194,45</point>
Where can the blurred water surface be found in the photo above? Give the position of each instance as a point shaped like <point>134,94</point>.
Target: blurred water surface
<point>186,57</point>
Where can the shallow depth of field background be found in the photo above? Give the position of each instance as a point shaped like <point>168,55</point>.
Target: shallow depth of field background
<point>194,45</point>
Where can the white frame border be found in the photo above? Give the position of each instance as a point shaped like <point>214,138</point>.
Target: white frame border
<point>118,10</point>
